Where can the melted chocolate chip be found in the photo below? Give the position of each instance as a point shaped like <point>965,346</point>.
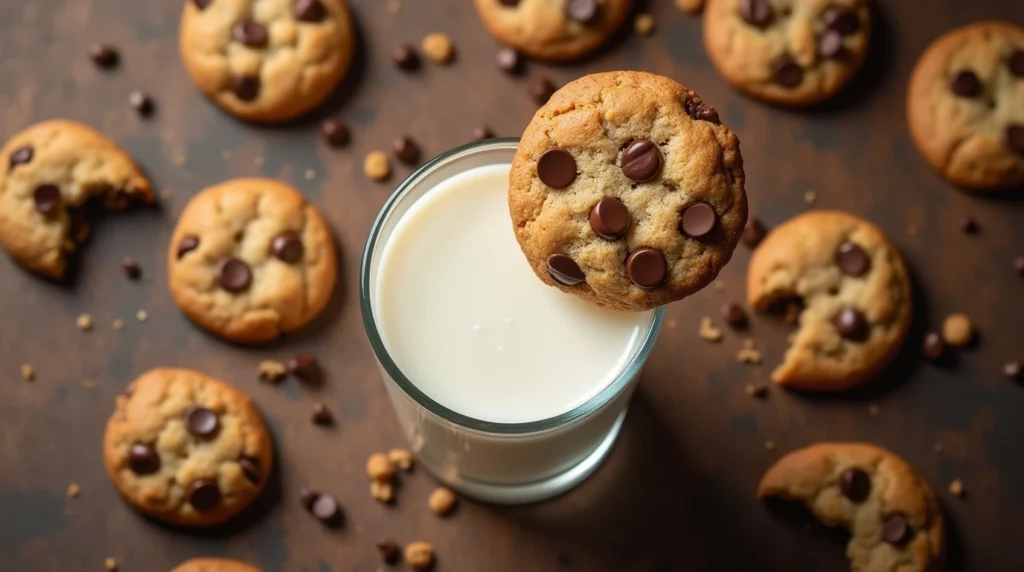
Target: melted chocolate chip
<point>753,232</point>
<point>251,469</point>
<point>830,44</point>
<point>309,10</point>
<point>204,495</point>
<point>852,259</point>
<point>103,55</point>
<point>896,530</point>
<point>855,484</point>
<point>143,459</point>
<point>509,60</point>
<point>335,132</point>
<point>21,156</point>
<point>787,72</point>
<point>841,19</point>
<point>47,199</point>
<point>609,218</point>
<point>933,347</point>
<point>540,89</point>
<point>201,422</point>
<point>583,11</point>
<point>234,275</point>
<point>697,220</point>
<point>734,315</point>
<point>251,34</point>
<point>404,56</point>
<point>1016,63</point>
<point>202,4</point>
<point>965,84</point>
<point>389,551</point>
<point>641,160</point>
<point>246,87</point>
<point>509,3</point>
<point>1015,138</point>
<point>326,509</point>
<point>851,324</point>
<point>646,267</point>
<point>304,367</point>
<point>556,168</point>
<point>188,243</point>
<point>697,109</point>
<point>406,150</point>
<point>757,13</point>
<point>565,270</point>
<point>287,247</point>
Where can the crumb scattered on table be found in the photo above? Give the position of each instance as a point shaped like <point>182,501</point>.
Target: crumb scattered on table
<point>376,166</point>
<point>956,488</point>
<point>957,330</point>
<point>420,555</point>
<point>402,458</point>
<point>271,371</point>
<point>379,467</point>
<point>74,490</point>
<point>310,174</point>
<point>110,564</point>
<point>749,353</point>
<point>643,24</point>
<point>84,322</point>
<point>442,501</point>
<point>810,197</point>
<point>438,47</point>
<point>708,331</point>
<point>28,373</point>
<point>141,316</point>
<point>119,324</point>
<point>382,491</point>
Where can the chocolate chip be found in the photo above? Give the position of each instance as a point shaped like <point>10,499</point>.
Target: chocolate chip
<point>556,168</point>
<point>1015,138</point>
<point>896,531</point>
<point>304,366</point>
<point>321,415</point>
<point>131,268</point>
<point>234,275</point>
<point>646,267</point>
<point>753,232</point>
<point>326,509</point>
<point>335,132</point>
<point>201,422</point>
<point>787,72</point>
<point>204,495</point>
<point>583,11</point>
<point>965,84</point>
<point>1018,265</point>
<point>757,13</point>
<point>143,459</point>
<point>202,4</point>
<point>246,87</point>
<point>841,19</point>
<point>697,220</point>
<point>188,243</point>
<point>540,89</point>
<point>509,2</point>
<point>1016,63</point>
<point>851,324</point>
<point>933,347</point>
<point>47,199</point>
<point>21,156</point>
<point>1014,370</point>
<point>855,484</point>
<point>308,497</point>
<point>78,226</point>
<point>830,44</point>
<point>406,150</point>
<point>734,315</point>
<point>697,109</point>
<point>287,246</point>
<point>565,270</point>
<point>251,34</point>
<point>103,55</point>
<point>509,60</point>
<point>609,218</point>
<point>404,56</point>
<point>309,10</point>
<point>482,132</point>
<point>852,259</point>
<point>389,551</point>
<point>641,160</point>
<point>968,225</point>
<point>251,469</point>
<point>141,102</point>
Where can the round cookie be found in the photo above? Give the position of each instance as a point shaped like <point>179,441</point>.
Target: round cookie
<point>266,61</point>
<point>48,174</point>
<point>894,519</point>
<point>186,449</point>
<point>214,565</point>
<point>250,260</point>
<point>965,106</point>
<point>627,191</point>
<point>855,292</point>
<point>788,52</point>
<point>558,30</point>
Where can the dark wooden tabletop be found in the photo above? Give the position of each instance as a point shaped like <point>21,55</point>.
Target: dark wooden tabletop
<point>677,490</point>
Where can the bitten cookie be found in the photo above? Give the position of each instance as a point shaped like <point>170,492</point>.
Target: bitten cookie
<point>250,260</point>
<point>48,174</point>
<point>627,191</point>
<point>965,106</point>
<point>186,449</point>
<point>270,60</point>
<point>788,52</point>
<point>855,293</point>
<point>214,565</point>
<point>553,29</point>
<point>894,520</point>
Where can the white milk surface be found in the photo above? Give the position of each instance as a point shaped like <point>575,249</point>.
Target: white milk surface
<point>467,321</point>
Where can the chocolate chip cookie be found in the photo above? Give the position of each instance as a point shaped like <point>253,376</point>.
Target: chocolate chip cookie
<point>266,60</point>
<point>250,260</point>
<point>553,29</point>
<point>895,522</point>
<point>855,294</point>
<point>627,191</point>
<point>50,175</point>
<point>214,565</point>
<point>186,449</point>
<point>788,52</point>
<point>965,106</point>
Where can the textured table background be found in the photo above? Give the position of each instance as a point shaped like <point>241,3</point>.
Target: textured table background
<point>677,491</point>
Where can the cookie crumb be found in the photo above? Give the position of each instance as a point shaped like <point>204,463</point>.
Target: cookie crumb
<point>110,564</point>
<point>28,373</point>
<point>380,468</point>
<point>769,445</point>
<point>643,24</point>
<point>89,384</point>
<point>956,488</point>
<point>957,330</point>
<point>84,322</point>
<point>74,490</point>
<point>310,174</point>
<point>402,458</point>
<point>382,492</point>
<point>394,6</point>
<point>718,286</point>
<point>690,6</point>
<point>226,154</point>
<point>179,160</point>
<point>420,555</point>
<point>118,324</point>
<point>758,391</point>
<point>271,371</point>
<point>708,332</point>
<point>810,197</point>
<point>873,410</point>
<point>141,316</point>
<point>258,161</point>
<point>442,501</point>
<point>749,353</point>
<point>376,166</point>
<point>438,48</point>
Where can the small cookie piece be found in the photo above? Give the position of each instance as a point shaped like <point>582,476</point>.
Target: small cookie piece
<point>558,30</point>
<point>267,60</point>
<point>788,52</point>
<point>214,565</point>
<point>964,106</point>
<point>250,260</point>
<point>855,292</point>
<point>894,519</point>
<point>627,191</point>
<point>186,449</point>
<point>48,174</point>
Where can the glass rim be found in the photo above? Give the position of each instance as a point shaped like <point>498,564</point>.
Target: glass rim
<point>595,403</point>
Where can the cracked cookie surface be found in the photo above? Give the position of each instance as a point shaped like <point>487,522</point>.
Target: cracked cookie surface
<point>266,60</point>
<point>855,292</point>
<point>558,30</point>
<point>186,449</point>
<point>214,565</point>
<point>894,519</point>
<point>48,174</point>
<point>627,191</point>
<point>965,106</point>
<point>788,52</point>
<point>250,260</point>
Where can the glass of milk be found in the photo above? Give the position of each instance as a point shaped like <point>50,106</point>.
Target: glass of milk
<point>510,391</point>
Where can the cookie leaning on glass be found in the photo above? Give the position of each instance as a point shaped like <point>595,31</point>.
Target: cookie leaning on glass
<point>627,191</point>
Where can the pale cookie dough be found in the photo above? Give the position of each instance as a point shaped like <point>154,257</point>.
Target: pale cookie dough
<point>266,60</point>
<point>895,522</point>
<point>186,449</point>
<point>214,565</point>
<point>48,174</point>
<point>250,260</point>
<point>855,292</point>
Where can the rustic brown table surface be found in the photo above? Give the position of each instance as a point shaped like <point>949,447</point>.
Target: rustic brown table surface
<point>676,492</point>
